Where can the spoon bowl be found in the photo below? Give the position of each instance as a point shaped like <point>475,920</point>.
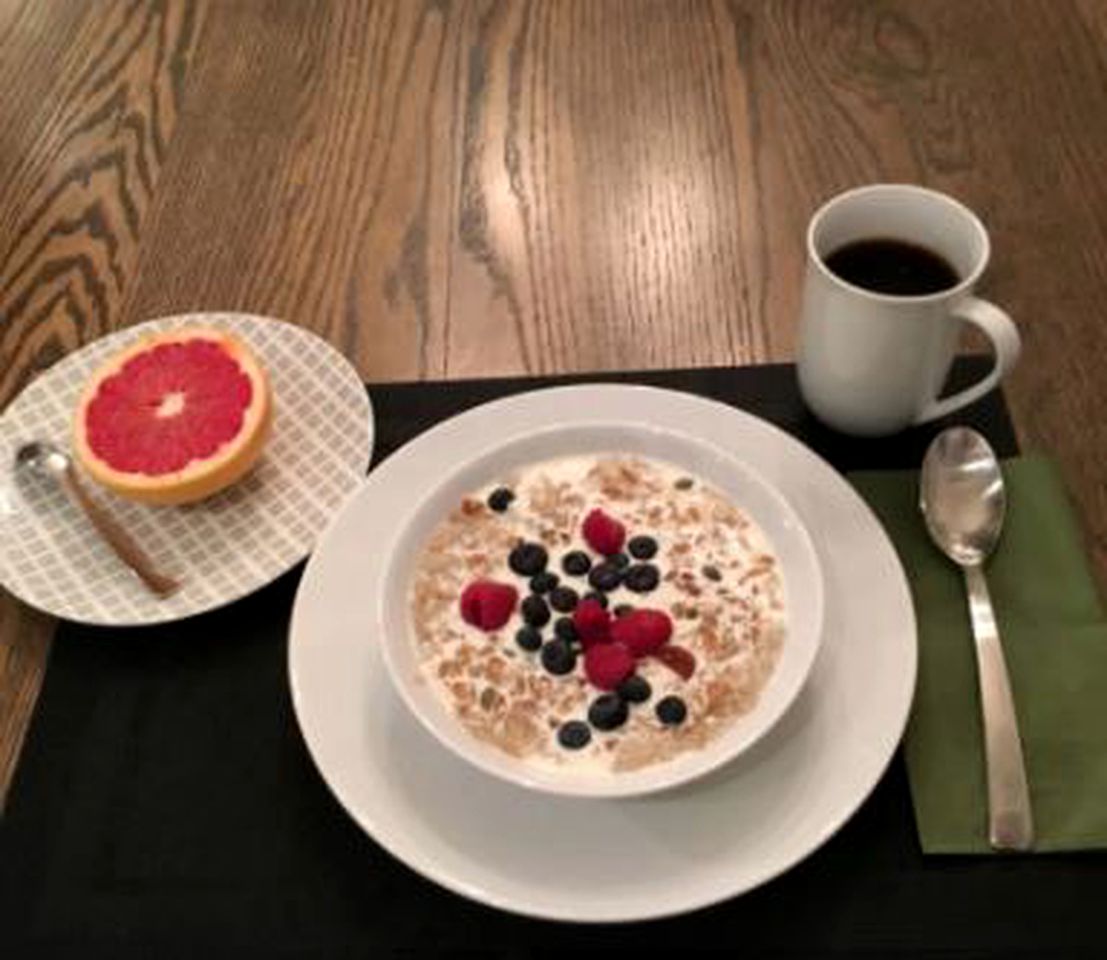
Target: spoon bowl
<point>41,458</point>
<point>962,495</point>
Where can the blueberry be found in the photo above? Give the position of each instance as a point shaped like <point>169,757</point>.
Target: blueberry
<point>620,561</point>
<point>642,578</point>
<point>535,612</point>
<point>558,657</point>
<point>607,712</point>
<point>623,609</point>
<point>527,559</point>
<point>576,563</point>
<point>543,582</point>
<point>600,598</point>
<point>634,689</point>
<point>574,735</point>
<point>671,711</point>
<point>500,499</point>
<point>563,599</point>
<point>565,629</point>
<point>642,548</point>
<point>529,638</point>
<point>605,577</point>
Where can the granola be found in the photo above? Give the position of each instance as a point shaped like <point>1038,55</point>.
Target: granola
<point>716,578</point>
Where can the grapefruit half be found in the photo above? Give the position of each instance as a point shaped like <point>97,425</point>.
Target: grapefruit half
<point>174,418</point>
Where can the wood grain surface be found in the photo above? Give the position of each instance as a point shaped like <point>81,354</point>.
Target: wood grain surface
<point>449,188</point>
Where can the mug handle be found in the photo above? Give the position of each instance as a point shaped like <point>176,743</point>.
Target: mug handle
<point>1003,333</point>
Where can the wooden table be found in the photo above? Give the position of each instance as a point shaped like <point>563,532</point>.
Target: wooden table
<point>449,189</point>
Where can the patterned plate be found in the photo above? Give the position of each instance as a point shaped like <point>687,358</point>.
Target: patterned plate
<point>221,549</point>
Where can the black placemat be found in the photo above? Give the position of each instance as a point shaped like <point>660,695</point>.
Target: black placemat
<point>165,803</point>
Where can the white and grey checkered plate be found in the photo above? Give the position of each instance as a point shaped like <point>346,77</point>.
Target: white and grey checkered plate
<point>221,549</point>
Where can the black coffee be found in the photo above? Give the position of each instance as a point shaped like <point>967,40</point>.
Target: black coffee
<point>892,266</point>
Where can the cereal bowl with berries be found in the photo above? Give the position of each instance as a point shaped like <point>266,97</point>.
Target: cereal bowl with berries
<point>602,610</point>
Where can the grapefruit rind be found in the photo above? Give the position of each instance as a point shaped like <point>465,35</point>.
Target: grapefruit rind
<point>200,478</point>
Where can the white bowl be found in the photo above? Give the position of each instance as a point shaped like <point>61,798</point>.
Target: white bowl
<point>803,584</point>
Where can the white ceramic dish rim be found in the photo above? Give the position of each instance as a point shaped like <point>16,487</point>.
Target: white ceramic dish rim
<point>865,563</point>
<point>743,485</point>
<point>237,322</point>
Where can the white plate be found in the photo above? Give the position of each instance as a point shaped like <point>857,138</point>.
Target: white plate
<point>606,860</point>
<point>771,513</point>
<point>221,549</point>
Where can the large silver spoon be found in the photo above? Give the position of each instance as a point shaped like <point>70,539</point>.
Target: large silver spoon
<point>47,460</point>
<point>963,500</point>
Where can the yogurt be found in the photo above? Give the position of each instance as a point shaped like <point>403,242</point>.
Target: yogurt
<point>717,579</point>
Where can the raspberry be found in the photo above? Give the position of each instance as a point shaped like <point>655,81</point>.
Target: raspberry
<point>592,621</point>
<point>606,665</point>
<point>602,533</point>
<point>643,631</point>
<point>487,604</point>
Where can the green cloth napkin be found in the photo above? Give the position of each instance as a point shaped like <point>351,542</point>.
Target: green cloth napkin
<point>1055,641</point>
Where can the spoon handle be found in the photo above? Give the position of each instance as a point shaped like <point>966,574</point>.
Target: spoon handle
<point>118,539</point>
<point>1010,826</point>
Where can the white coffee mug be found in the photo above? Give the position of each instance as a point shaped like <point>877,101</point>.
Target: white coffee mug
<point>873,363</point>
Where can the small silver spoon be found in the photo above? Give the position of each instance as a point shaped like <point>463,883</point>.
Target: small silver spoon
<point>47,460</point>
<point>963,500</point>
